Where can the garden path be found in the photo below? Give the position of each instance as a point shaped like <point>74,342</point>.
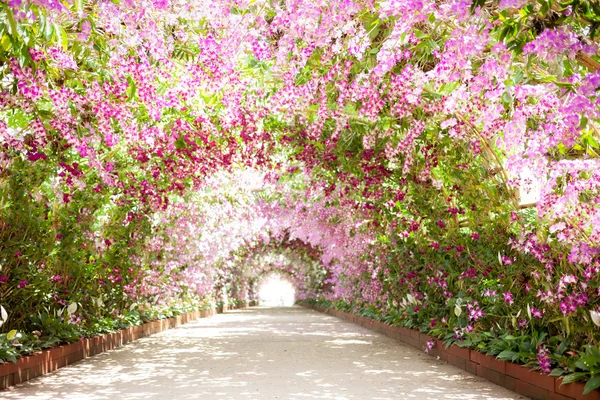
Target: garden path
<point>262,353</point>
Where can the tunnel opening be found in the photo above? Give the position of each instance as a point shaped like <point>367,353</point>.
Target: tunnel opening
<point>276,290</point>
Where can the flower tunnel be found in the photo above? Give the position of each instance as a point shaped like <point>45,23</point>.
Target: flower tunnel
<point>430,164</point>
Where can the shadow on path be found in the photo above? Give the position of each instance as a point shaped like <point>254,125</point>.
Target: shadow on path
<point>262,353</point>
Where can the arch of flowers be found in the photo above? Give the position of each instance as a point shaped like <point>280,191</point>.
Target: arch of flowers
<point>428,163</point>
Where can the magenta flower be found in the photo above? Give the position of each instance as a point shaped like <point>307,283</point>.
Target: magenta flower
<point>544,361</point>
<point>429,345</point>
<point>537,313</point>
<point>22,284</point>
<point>522,323</point>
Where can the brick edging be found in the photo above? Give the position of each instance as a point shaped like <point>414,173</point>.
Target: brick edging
<point>45,361</point>
<point>512,376</point>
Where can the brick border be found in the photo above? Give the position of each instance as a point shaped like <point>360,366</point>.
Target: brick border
<point>46,361</point>
<point>512,376</point>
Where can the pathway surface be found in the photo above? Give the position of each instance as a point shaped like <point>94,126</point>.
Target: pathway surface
<point>262,353</point>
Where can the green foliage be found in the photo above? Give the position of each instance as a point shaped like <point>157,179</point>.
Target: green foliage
<point>55,327</point>
<point>585,367</point>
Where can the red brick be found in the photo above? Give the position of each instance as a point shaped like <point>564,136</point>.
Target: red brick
<point>414,333</point>
<point>6,381</point>
<point>415,343</point>
<point>499,365</point>
<point>557,396</point>
<point>575,390</point>
<point>55,353</point>
<point>394,333</point>
<point>379,327</point>
<point>4,369</point>
<point>404,331</point>
<point>389,331</point>
<point>474,356</point>
<point>29,361</point>
<point>51,366</point>
<point>46,367</point>
<point>461,352</point>
<point>350,317</point>
<point>118,338</point>
<point>471,367</point>
<point>20,376</point>
<point>484,359</point>
<point>45,356</point>
<point>60,362</point>
<point>96,341</point>
<point>435,353</point>
<point>424,338</point>
<point>65,349</point>
<point>76,346</point>
<point>36,371</point>
<point>443,355</point>
<point>543,381</point>
<point>73,357</point>
<point>509,382</point>
<point>489,374</point>
<point>532,391</point>
<point>457,361</point>
<point>518,371</point>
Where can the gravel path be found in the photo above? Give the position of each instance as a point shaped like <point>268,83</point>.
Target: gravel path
<point>262,353</point>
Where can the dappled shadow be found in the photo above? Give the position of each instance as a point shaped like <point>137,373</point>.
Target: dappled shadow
<point>262,353</point>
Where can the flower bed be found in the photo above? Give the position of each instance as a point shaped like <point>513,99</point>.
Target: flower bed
<point>46,361</point>
<point>512,376</point>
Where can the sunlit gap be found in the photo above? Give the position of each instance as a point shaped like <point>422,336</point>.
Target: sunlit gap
<point>276,291</point>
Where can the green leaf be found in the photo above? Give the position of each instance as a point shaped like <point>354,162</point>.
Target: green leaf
<point>180,144</point>
<point>62,39</point>
<point>592,384</point>
<point>18,120</point>
<point>132,88</point>
<point>11,335</point>
<point>6,43</point>
<point>581,365</point>
<point>508,355</point>
<point>11,21</point>
<point>574,377</point>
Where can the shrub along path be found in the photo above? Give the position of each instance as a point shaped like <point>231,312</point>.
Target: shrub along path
<point>262,353</point>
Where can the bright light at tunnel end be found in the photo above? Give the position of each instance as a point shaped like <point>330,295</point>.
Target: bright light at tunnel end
<point>276,291</point>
